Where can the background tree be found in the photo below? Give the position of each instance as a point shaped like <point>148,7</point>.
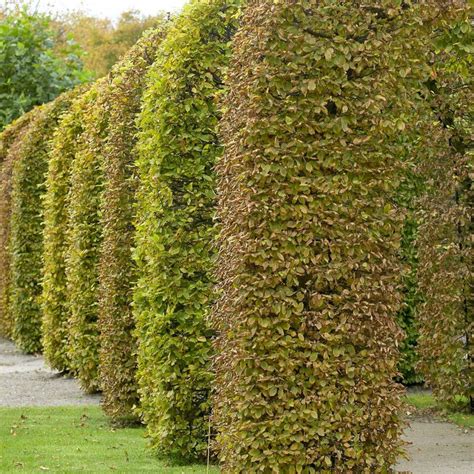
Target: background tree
<point>104,42</point>
<point>411,187</point>
<point>33,68</point>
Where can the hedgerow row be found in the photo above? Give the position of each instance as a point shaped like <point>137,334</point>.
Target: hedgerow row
<point>228,233</point>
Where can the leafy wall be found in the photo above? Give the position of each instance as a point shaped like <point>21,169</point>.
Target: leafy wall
<point>55,326</point>
<point>323,104</point>
<point>10,143</point>
<point>445,239</point>
<point>85,236</point>
<point>178,147</point>
<point>26,245</point>
<point>117,269</point>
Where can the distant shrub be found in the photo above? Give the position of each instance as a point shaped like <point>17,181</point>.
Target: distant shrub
<point>84,236</point>
<point>55,308</point>
<point>10,143</point>
<point>324,101</point>
<point>117,270</point>
<point>178,147</point>
<point>26,246</point>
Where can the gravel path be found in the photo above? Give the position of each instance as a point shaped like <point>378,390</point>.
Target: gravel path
<point>436,447</point>
<point>26,381</point>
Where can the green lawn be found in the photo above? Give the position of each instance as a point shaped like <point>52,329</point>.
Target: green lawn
<point>462,419</point>
<point>75,439</point>
<point>425,401</point>
<point>80,439</point>
<point>421,400</point>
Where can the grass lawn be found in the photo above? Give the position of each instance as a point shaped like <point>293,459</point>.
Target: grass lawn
<point>76,439</point>
<point>426,401</point>
<point>421,400</point>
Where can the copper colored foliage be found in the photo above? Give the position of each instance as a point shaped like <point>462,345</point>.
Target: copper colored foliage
<point>323,103</point>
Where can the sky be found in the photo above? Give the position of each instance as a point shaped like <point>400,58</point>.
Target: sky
<point>110,8</point>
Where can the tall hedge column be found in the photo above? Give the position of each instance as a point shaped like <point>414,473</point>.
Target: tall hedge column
<point>55,306</point>
<point>84,239</point>
<point>10,144</point>
<point>26,246</point>
<point>322,104</point>
<point>118,346</point>
<point>446,319</point>
<point>178,148</point>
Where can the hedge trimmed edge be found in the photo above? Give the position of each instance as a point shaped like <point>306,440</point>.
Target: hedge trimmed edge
<point>85,236</point>
<point>26,247</point>
<point>10,143</point>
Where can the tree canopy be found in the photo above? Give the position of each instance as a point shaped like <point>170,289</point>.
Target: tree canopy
<point>104,42</point>
<point>34,67</point>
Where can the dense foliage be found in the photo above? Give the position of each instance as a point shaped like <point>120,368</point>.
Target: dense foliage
<point>117,270</point>
<point>446,233</point>
<point>323,104</point>
<point>55,298</point>
<point>10,135</point>
<point>413,187</point>
<point>10,143</point>
<point>29,175</point>
<point>178,148</point>
<point>32,70</point>
<point>84,236</point>
<point>338,136</point>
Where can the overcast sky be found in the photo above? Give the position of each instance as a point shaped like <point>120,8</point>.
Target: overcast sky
<point>110,8</point>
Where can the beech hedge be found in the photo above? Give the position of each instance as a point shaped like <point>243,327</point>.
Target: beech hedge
<point>55,326</point>
<point>178,147</point>
<point>11,134</point>
<point>117,270</point>
<point>26,246</point>
<point>446,319</point>
<point>262,323</point>
<point>84,237</point>
<point>323,102</point>
<point>10,143</point>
